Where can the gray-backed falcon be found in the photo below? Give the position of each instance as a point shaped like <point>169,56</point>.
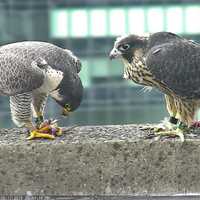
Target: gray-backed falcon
<point>169,63</point>
<point>31,71</point>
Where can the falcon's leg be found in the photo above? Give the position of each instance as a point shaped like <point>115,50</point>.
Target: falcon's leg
<point>172,110</point>
<point>20,106</point>
<point>38,106</point>
<point>21,110</point>
<point>170,124</point>
<point>185,112</point>
<point>45,129</point>
<point>178,131</point>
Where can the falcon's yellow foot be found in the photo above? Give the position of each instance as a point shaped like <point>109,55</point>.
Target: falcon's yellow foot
<point>167,129</point>
<point>171,133</point>
<point>47,130</point>
<point>166,125</point>
<point>36,134</point>
<point>176,131</point>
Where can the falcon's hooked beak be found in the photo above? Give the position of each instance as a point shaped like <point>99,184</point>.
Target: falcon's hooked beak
<point>115,54</point>
<point>66,110</point>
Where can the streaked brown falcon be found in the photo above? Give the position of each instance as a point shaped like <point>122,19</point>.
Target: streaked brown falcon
<point>169,63</point>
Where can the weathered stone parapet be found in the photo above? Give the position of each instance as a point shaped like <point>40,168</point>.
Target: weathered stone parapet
<point>98,160</point>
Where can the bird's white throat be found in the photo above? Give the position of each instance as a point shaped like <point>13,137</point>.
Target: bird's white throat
<point>51,81</point>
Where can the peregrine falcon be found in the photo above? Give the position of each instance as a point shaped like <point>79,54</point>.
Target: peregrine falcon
<point>169,63</point>
<point>30,72</point>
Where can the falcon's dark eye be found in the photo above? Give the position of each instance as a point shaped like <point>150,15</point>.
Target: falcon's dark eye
<point>124,47</point>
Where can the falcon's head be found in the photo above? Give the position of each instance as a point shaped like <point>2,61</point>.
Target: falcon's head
<point>131,49</point>
<point>69,93</point>
<point>128,47</point>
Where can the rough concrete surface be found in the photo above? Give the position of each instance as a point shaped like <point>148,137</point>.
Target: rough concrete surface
<point>98,160</point>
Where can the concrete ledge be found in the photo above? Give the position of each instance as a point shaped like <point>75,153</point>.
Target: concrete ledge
<point>98,160</point>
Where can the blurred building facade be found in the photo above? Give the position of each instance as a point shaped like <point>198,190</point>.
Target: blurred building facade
<point>89,28</point>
